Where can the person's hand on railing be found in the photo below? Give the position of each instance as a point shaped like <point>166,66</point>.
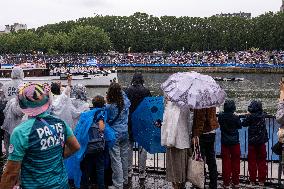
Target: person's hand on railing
<point>69,79</point>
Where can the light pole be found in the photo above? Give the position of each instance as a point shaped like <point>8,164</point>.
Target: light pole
<point>246,45</point>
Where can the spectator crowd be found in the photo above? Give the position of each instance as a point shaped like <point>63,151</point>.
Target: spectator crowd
<point>159,57</point>
<point>44,125</point>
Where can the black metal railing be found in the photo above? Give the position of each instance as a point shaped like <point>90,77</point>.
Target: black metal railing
<point>156,163</point>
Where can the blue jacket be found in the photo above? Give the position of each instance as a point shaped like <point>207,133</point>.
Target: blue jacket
<point>229,126</point>
<point>120,125</point>
<point>72,164</point>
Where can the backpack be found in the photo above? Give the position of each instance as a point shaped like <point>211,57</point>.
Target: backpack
<point>96,138</point>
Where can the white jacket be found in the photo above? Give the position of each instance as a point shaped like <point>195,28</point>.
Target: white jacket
<point>177,127</point>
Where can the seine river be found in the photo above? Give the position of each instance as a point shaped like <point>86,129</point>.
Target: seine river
<point>264,87</point>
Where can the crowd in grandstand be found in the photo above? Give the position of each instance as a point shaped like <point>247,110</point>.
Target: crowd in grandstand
<point>176,57</point>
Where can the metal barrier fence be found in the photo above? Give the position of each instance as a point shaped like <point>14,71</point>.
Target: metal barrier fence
<point>156,163</point>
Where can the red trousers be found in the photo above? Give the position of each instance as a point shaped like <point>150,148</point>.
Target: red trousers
<point>257,162</point>
<point>231,164</point>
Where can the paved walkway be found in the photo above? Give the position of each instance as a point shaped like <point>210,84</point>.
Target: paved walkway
<point>159,182</point>
<point>154,181</point>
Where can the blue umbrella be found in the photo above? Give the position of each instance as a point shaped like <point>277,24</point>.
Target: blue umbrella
<point>146,121</point>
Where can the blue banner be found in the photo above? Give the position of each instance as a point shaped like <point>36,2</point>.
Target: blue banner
<point>236,65</point>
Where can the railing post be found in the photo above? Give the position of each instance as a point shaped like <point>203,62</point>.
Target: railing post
<point>280,172</point>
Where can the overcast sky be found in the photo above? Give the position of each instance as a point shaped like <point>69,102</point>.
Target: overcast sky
<point>36,13</point>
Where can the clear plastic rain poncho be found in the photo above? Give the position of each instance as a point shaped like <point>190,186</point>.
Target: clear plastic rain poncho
<point>68,109</point>
<point>10,88</point>
<point>61,106</point>
<point>79,102</point>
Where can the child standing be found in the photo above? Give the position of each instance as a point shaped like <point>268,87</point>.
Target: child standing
<point>257,137</point>
<point>93,161</point>
<point>230,150</point>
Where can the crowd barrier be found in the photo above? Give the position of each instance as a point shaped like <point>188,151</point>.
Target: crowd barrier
<point>156,163</point>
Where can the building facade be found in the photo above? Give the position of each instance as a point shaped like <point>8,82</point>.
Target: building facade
<point>15,27</point>
<point>240,14</point>
<point>282,6</point>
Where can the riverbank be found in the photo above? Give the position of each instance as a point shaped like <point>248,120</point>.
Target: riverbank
<point>172,69</point>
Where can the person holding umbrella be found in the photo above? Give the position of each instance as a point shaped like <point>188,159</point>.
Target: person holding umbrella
<point>201,93</point>
<point>136,92</point>
<point>175,135</point>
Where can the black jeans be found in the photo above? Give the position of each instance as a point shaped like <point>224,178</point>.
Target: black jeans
<point>90,163</point>
<point>207,145</point>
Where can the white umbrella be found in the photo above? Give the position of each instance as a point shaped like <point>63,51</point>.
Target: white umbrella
<point>194,90</point>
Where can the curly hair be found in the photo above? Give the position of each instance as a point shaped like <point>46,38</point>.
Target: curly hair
<point>114,96</point>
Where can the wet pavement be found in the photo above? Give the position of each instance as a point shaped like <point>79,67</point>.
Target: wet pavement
<point>158,181</point>
<point>154,181</point>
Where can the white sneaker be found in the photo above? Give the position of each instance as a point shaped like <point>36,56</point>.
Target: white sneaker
<point>113,187</point>
<point>143,175</point>
<point>130,174</point>
<point>261,185</point>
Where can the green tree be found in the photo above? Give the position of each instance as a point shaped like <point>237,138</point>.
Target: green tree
<point>88,39</point>
<point>26,41</point>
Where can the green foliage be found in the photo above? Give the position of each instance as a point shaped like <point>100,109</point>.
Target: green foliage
<point>88,39</point>
<point>141,32</point>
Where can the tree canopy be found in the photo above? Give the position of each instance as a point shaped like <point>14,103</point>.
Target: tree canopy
<point>141,32</point>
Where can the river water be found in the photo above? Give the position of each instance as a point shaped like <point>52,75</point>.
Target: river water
<point>264,87</point>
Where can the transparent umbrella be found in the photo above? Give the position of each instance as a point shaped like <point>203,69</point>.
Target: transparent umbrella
<point>193,90</point>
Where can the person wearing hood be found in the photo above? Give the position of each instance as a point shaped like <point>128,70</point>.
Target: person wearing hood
<point>230,150</point>
<point>117,117</point>
<point>79,102</point>
<point>12,112</point>
<point>136,92</point>
<point>257,137</point>
<point>10,88</point>
<point>3,103</point>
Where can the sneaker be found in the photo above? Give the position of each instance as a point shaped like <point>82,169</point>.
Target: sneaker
<point>261,185</point>
<point>252,185</point>
<point>142,175</point>
<point>225,186</point>
<point>236,186</point>
<point>130,174</point>
<point>113,187</point>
